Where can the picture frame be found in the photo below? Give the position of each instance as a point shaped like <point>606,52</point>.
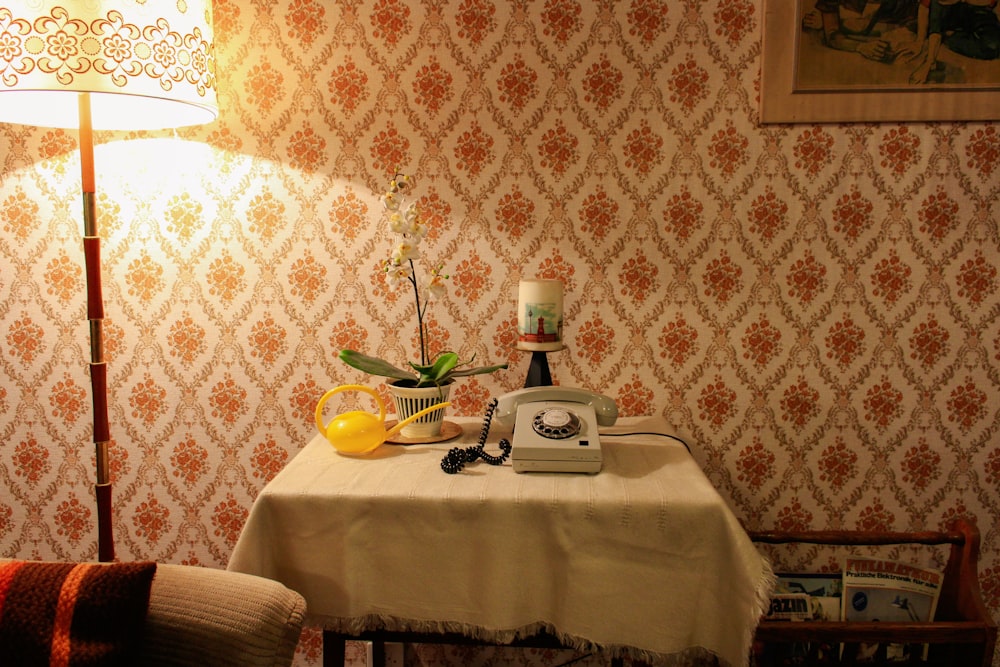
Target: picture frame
<point>805,81</point>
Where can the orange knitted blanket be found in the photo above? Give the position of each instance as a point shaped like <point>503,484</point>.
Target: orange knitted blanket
<point>72,614</point>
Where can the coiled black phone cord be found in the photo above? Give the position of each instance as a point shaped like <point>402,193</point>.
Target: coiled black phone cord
<point>456,458</point>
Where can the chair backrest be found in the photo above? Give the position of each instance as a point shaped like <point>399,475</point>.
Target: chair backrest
<point>206,617</point>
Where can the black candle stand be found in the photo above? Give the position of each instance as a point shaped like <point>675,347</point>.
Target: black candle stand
<point>538,370</point>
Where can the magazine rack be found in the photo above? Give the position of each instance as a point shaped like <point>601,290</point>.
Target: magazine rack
<point>962,632</point>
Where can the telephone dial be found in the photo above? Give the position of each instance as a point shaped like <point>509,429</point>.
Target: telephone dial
<point>555,428</point>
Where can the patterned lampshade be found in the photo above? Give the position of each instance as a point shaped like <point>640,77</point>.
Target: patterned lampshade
<point>147,65</point>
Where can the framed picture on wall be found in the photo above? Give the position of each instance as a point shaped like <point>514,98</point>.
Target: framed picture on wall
<point>828,61</point>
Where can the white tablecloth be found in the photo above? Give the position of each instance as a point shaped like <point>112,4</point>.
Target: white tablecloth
<point>642,558</point>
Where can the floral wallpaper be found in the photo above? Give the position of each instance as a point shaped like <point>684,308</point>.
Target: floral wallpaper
<point>815,307</point>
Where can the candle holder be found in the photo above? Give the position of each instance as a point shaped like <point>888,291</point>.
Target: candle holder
<point>539,328</point>
<point>539,374</point>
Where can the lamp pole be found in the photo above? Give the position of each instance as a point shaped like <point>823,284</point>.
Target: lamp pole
<point>95,317</point>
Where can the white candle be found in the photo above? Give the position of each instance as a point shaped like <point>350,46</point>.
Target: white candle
<point>539,315</point>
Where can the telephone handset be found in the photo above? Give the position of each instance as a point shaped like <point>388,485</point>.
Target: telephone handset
<point>555,428</point>
<point>605,409</point>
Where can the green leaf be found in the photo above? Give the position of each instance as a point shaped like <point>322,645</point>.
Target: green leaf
<point>443,365</point>
<point>480,370</point>
<point>438,372</point>
<point>444,368</point>
<point>373,365</point>
<point>422,369</point>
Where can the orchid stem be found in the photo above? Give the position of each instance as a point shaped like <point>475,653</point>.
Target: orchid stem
<point>420,315</point>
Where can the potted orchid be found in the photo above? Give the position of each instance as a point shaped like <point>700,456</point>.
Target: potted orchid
<point>431,377</point>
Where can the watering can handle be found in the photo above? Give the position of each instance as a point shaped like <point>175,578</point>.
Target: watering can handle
<point>347,387</point>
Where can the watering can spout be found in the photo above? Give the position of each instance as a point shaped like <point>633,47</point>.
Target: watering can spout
<point>415,416</point>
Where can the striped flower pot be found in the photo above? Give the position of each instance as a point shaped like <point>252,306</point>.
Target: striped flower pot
<point>410,400</point>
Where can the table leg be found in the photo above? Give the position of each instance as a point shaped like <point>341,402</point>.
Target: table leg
<point>378,654</point>
<point>334,647</point>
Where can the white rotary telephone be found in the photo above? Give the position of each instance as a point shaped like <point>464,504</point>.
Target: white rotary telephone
<point>555,428</point>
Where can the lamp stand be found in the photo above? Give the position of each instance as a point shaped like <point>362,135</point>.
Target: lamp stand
<point>95,317</point>
<point>51,78</point>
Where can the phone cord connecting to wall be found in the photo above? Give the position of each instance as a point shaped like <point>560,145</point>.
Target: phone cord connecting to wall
<point>456,458</point>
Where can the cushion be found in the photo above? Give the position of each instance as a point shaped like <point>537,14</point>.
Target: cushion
<point>72,614</point>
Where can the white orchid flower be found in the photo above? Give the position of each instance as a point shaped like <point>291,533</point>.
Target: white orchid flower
<point>392,200</point>
<point>398,223</point>
<point>398,273</point>
<point>436,286</point>
<point>405,252</point>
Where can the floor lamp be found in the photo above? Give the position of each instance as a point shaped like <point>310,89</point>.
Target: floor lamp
<point>105,65</point>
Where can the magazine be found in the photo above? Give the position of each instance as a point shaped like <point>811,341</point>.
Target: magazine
<point>822,591</point>
<point>802,597</point>
<point>888,591</point>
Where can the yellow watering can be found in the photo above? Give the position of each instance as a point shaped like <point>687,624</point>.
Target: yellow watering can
<point>359,432</point>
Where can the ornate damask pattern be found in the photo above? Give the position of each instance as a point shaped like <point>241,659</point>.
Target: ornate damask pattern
<point>814,307</point>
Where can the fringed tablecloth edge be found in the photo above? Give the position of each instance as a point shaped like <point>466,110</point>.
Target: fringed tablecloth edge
<point>762,603</point>
<point>356,626</point>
